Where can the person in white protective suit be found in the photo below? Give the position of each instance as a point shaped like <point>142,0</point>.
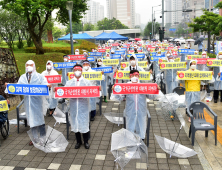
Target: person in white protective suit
<point>218,82</point>
<point>65,71</point>
<point>136,107</point>
<point>52,100</point>
<point>92,100</point>
<point>34,104</point>
<point>192,87</point>
<point>133,64</point>
<point>79,109</point>
<point>77,52</point>
<point>104,81</point>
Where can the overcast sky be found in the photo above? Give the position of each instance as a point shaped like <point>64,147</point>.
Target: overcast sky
<point>144,8</point>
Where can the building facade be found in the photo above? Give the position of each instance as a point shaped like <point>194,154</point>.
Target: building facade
<point>123,10</point>
<point>137,20</point>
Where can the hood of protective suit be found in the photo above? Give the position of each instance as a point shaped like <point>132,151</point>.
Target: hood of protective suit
<point>136,59</point>
<point>51,63</point>
<point>30,62</point>
<point>192,61</point>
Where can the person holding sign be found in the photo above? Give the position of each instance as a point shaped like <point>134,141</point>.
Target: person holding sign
<point>87,68</point>
<point>52,101</point>
<point>218,82</point>
<point>133,64</point>
<point>34,104</point>
<point>192,87</point>
<point>104,81</point>
<point>136,107</point>
<point>65,71</point>
<point>3,113</point>
<point>79,108</point>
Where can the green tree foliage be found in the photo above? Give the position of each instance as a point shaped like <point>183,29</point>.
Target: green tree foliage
<point>57,32</point>
<point>208,22</point>
<point>88,27</point>
<point>148,28</point>
<point>76,28</point>
<point>110,24</point>
<point>38,12</point>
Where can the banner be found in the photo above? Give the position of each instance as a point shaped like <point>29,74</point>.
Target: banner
<point>135,88</point>
<point>102,50</point>
<point>194,75</point>
<point>203,60</point>
<point>28,89</point>
<point>115,56</point>
<point>76,57</point>
<point>144,75</point>
<point>104,69</point>
<point>115,44</point>
<point>111,61</point>
<point>173,65</point>
<point>186,51</point>
<point>156,58</point>
<point>191,57</point>
<point>77,92</point>
<point>142,64</point>
<point>54,79</point>
<point>120,52</point>
<point>64,65</point>
<point>137,55</point>
<point>164,60</point>
<point>3,106</point>
<point>214,63</point>
<point>174,53</point>
<point>95,75</point>
<point>95,53</point>
<point>91,59</point>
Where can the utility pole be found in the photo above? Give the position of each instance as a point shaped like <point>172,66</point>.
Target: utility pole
<point>163,19</point>
<point>208,42</point>
<point>154,25</point>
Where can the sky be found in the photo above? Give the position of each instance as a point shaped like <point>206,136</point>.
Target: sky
<point>144,8</point>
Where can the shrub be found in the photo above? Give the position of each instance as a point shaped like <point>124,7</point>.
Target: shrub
<point>20,45</point>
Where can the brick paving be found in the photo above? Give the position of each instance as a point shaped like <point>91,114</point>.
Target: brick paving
<point>16,154</point>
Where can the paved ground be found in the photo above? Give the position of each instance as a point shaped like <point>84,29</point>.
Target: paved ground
<point>16,154</point>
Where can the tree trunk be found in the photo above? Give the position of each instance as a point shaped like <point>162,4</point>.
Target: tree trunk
<point>50,37</point>
<point>38,45</point>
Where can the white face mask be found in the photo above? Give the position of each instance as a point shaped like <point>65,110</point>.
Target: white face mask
<point>193,67</point>
<point>134,79</point>
<point>76,53</point>
<point>171,60</point>
<point>86,68</point>
<point>29,69</point>
<point>133,62</point>
<point>204,56</point>
<point>168,55</point>
<point>100,63</point>
<point>220,57</point>
<point>65,59</point>
<point>49,67</point>
<point>107,58</point>
<point>77,73</point>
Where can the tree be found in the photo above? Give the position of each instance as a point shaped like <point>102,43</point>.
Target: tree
<point>76,27</point>
<point>110,24</point>
<point>208,22</point>
<point>88,27</point>
<point>57,32</point>
<point>148,28</point>
<point>34,10</point>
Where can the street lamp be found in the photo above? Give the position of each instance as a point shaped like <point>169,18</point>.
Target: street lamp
<point>69,7</point>
<point>152,17</point>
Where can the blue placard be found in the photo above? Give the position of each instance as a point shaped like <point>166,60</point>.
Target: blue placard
<point>221,76</point>
<point>95,53</point>
<point>64,65</point>
<point>120,52</point>
<point>91,59</point>
<point>115,56</point>
<point>28,89</point>
<point>104,69</point>
<point>186,51</point>
<point>138,55</point>
<point>156,58</point>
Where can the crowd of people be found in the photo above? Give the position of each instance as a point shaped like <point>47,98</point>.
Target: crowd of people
<point>135,104</point>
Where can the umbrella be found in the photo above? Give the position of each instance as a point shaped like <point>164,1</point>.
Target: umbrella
<point>145,38</point>
<point>153,40</point>
<point>174,149</point>
<point>137,39</point>
<point>176,39</point>
<point>192,40</point>
<point>59,115</point>
<point>131,39</point>
<point>167,38</point>
<point>52,141</point>
<point>126,146</point>
<point>199,40</point>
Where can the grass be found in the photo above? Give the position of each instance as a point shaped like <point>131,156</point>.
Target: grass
<point>40,60</point>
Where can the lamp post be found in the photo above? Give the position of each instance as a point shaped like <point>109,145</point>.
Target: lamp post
<point>152,17</point>
<point>69,7</point>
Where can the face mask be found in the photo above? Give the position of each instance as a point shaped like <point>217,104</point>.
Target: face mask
<point>204,56</point>
<point>220,57</point>
<point>76,53</point>
<point>193,67</point>
<point>171,60</point>
<point>133,62</point>
<point>134,79</point>
<point>100,63</point>
<point>107,58</point>
<point>65,59</point>
<point>29,69</point>
<point>86,68</point>
<point>49,67</point>
<point>168,55</point>
<point>77,73</point>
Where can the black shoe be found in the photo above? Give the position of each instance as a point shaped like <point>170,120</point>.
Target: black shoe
<point>215,101</point>
<point>86,145</point>
<point>78,145</point>
<point>92,118</point>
